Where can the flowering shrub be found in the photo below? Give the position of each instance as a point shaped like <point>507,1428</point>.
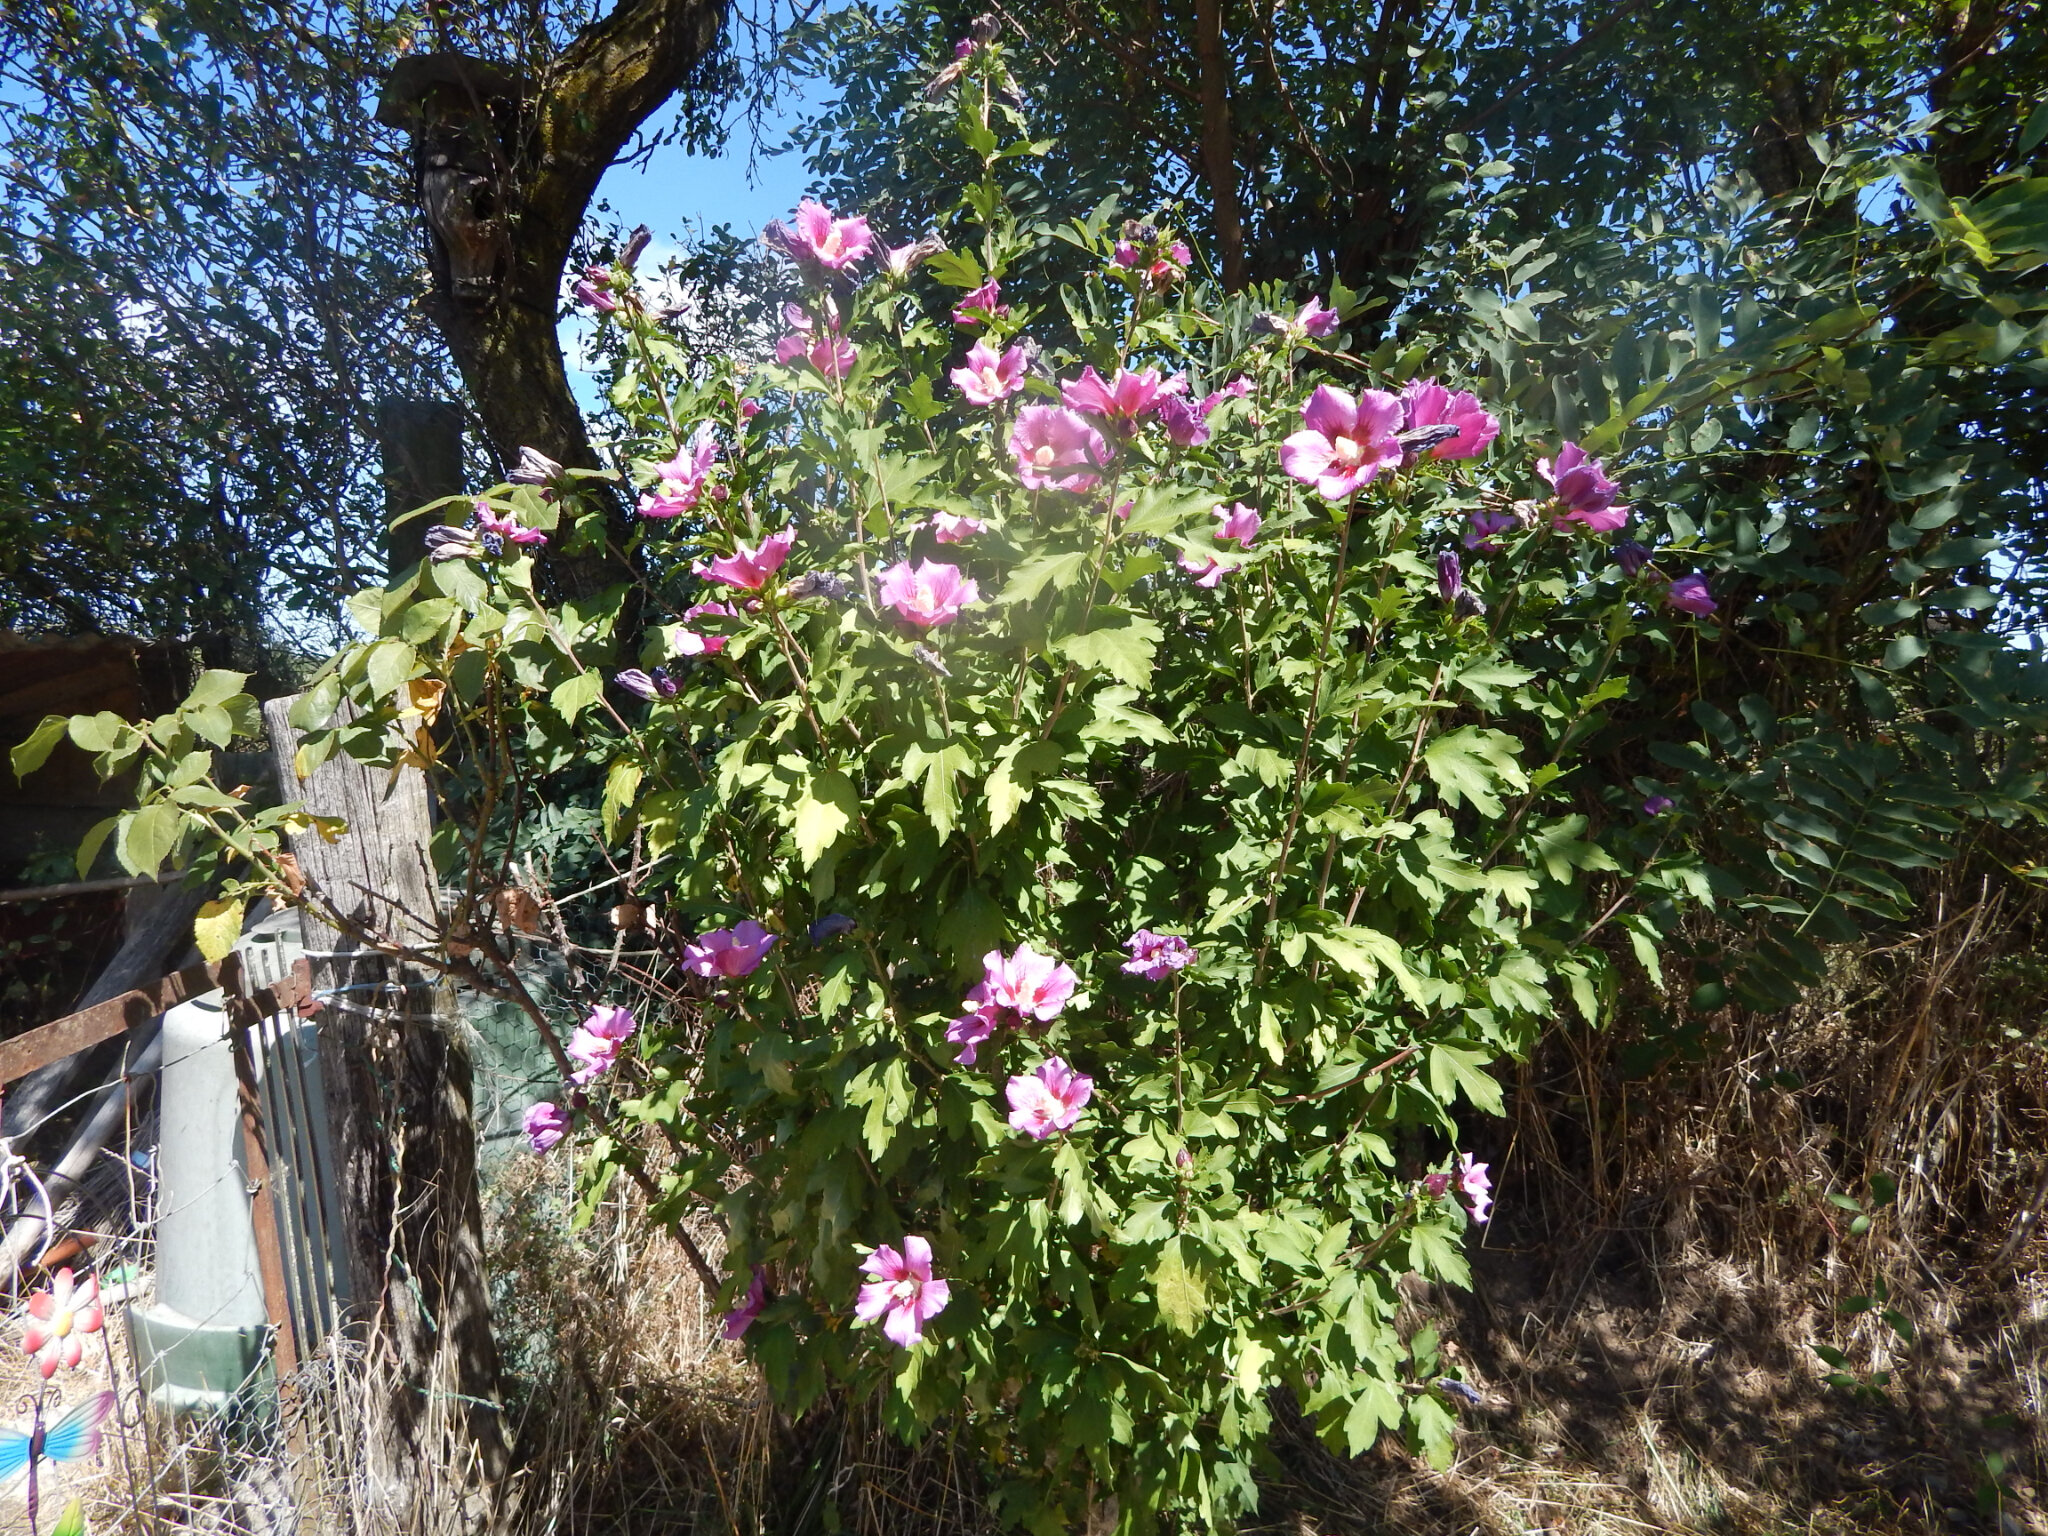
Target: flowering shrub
<point>1112,828</point>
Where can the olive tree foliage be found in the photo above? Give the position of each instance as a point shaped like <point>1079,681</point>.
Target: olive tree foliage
<point>208,285</point>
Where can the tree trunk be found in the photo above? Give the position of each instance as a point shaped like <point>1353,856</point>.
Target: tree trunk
<point>397,1077</point>
<point>1219,156</point>
<point>504,171</point>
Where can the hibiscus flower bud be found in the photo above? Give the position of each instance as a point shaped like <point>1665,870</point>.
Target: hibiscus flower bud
<point>533,468</point>
<point>1450,576</point>
<point>636,243</point>
<point>1632,557</point>
<point>452,544</point>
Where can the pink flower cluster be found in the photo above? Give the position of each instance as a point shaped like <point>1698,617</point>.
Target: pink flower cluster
<point>930,595</point>
<point>680,483</point>
<point>1014,987</point>
<point>729,953</point>
<point>902,1291</point>
<point>597,1040</point>
<point>595,289</point>
<point>1049,1100</point>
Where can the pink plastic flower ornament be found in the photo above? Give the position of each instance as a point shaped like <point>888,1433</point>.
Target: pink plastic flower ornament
<point>1345,442</point>
<point>1156,956</point>
<point>58,1320</point>
<point>931,595</point>
<point>1585,490</point>
<point>901,1291</point>
<point>1430,404</point>
<point>1475,1185</point>
<point>741,1318</point>
<point>691,642</point>
<point>1057,450</point>
<point>545,1125</point>
<point>729,953</point>
<point>749,569</point>
<point>1028,983</point>
<point>987,377</point>
<point>1690,594</point>
<point>1048,1100</point>
<point>1238,523</point>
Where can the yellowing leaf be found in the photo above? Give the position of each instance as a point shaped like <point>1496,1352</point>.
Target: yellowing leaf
<point>215,928</point>
<point>1183,1301</point>
<point>422,697</point>
<point>826,805</point>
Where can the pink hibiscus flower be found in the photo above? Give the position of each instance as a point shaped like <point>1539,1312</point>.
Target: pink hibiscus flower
<point>1206,569</point>
<point>729,952</point>
<point>901,1291</point>
<point>1122,401</point>
<point>1048,1100</point>
<point>690,642</point>
<point>1475,1185</point>
<point>1313,319</point>
<point>741,1318</point>
<point>1690,594</point>
<point>951,528</point>
<point>679,484</point>
<point>986,378</point>
<point>1430,404</point>
<point>1238,523</point>
<point>974,1027</point>
<point>930,595</point>
<point>1027,983</point>
<point>1345,442</point>
<point>1057,450</point>
<point>1585,490</point>
<point>1155,956</point>
<point>980,306</point>
<point>818,239</point>
<point>545,1125</point>
<point>749,569</point>
<point>597,1040</point>
<point>505,526</point>
<point>58,1319</point>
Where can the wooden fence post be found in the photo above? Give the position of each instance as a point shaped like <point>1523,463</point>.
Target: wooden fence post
<point>397,1076</point>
